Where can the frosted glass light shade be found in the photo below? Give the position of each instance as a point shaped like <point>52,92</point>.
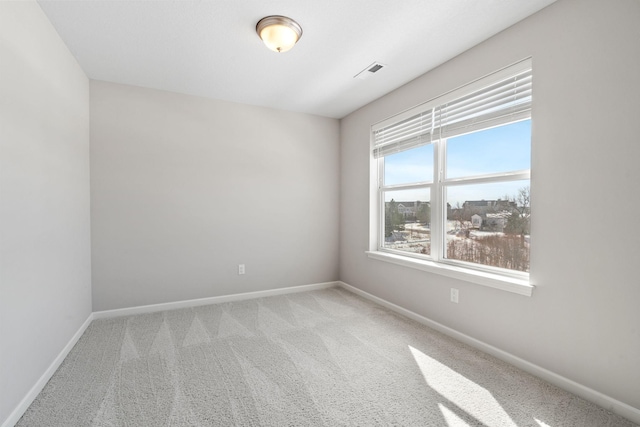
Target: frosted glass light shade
<point>279,33</point>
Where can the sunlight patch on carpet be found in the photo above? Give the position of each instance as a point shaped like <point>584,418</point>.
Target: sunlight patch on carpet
<point>451,418</point>
<point>461,392</point>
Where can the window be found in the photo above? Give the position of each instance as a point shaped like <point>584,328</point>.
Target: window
<point>453,181</point>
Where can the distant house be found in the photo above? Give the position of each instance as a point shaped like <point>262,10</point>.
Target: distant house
<point>490,221</point>
<point>488,206</point>
<point>408,210</point>
<point>485,215</point>
<point>495,221</point>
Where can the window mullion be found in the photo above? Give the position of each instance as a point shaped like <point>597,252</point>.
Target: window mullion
<point>437,211</point>
<point>380,202</point>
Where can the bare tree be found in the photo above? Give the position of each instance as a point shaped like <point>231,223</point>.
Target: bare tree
<point>457,214</point>
<point>393,219</point>
<point>519,222</point>
<point>423,213</point>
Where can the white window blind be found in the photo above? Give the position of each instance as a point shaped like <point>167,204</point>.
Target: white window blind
<point>499,103</point>
<point>497,99</point>
<point>404,135</point>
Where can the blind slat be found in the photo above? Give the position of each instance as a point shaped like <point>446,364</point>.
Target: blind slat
<point>497,98</point>
<point>407,144</point>
<point>483,122</point>
<point>414,126</point>
<point>495,90</point>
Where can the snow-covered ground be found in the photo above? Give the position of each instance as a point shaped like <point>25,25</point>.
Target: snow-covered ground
<point>416,238</point>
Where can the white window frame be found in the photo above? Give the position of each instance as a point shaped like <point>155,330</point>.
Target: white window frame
<point>499,278</point>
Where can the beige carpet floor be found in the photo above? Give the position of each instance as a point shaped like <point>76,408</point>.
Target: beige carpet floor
<point>321,358</point>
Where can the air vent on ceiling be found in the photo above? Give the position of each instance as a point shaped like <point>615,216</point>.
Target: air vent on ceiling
<point>369,71</point>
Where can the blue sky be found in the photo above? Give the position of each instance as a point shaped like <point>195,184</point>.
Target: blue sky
<point>501,149</point>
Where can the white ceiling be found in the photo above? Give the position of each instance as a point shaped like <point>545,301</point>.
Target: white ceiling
<point>210,48</point>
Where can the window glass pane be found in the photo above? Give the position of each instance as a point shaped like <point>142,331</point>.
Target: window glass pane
<point>489,224</point>
<point>500,149</point>
<point>415,165</point>
<point>407,221</point>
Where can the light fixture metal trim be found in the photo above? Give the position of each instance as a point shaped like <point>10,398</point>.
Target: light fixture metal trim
<point>279,33</point>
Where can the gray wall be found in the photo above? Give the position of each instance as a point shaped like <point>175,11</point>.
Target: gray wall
<point>183,189</point>
<point>45,271</point>
<point>583,321</point>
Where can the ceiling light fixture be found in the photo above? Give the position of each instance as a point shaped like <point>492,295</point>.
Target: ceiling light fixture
<point>279,33</point>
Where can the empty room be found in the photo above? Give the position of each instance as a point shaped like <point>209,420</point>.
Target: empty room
<point>322,213</point>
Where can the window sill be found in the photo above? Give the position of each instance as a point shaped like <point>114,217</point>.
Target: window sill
<point>509,284</point>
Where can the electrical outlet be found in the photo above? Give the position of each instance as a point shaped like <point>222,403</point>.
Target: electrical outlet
<point>454,295</point>
<point>240,268</point>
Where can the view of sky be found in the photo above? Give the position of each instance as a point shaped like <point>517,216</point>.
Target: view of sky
<point>501,149</point>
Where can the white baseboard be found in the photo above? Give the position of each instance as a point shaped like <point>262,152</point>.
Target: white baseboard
<point>600,399</point>
<point>211,300</point>
<point>24,404</point>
